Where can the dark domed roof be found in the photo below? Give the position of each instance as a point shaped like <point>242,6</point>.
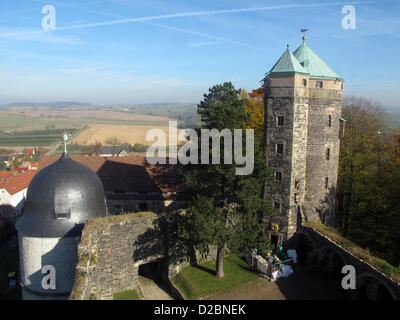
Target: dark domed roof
<point>60,199</point>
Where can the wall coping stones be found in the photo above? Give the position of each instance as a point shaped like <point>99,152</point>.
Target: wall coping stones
<point>368,263</point>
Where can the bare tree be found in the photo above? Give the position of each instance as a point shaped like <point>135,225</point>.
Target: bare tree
<point>97,148</point>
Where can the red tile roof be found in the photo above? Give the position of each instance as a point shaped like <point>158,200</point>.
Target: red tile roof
<point>128,174</point>
<point>20,181</point>
<point>5,174</point>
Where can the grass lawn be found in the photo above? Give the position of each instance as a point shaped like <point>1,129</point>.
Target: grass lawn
<point>127,295</point>
<point>199,281</point>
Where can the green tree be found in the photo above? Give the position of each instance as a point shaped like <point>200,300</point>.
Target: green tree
<point>359,158</point>
<point>3,166</point>
<point>226,210</point>
<point>368,205</point>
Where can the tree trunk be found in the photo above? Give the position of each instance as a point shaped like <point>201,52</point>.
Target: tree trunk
<point>220,260</point>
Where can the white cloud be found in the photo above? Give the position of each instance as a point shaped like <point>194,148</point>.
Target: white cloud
<point>210,12</point>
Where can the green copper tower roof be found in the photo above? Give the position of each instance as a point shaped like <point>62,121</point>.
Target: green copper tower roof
<point>287,63</point>
<point>313,64</point>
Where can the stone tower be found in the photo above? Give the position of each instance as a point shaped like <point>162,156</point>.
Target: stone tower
<point>302,125</point>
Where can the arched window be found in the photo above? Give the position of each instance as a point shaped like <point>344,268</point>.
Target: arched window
<point>319,84</point>
<point>304,82</point>
<point>329,121</point>
<point>328,153</point>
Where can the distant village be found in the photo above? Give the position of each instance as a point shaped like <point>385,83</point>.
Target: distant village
<point>18,171</point>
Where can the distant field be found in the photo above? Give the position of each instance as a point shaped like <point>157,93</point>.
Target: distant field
<point>35,138</point>
<point>85,114</point>
<point>125,133</point>
<point>164,110</point>
<point>128,127</point>
<point>28,140</point>
<point>13,122</point>
<point>392,119</point>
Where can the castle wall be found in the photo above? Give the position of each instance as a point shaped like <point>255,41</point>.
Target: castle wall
<point>318,248</point>
<point>120,206</point>
<point>112,248</point>
<point>110,252</point>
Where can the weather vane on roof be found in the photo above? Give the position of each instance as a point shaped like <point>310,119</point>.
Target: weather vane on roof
<point>65,138</point>
<point>304,32</point>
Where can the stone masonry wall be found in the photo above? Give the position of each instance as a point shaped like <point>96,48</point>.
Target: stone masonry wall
<point>110,252</point>
<point>368,276</point>
<point>279,101</point>
<point>299,157</point>
<point>112,248</point>
<point>319,202</point>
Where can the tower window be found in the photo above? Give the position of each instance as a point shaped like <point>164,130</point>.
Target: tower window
<point>319,84</point>
<point>328,153</point>
<point>62,214</point>
<point>330,121</point>
<point>341,127</point>
<point>279,148</point>
<point>281,120</point>
<point>304,82</point>
<point>278,176</point>
<point>277,205</point>
<point>326,182</point>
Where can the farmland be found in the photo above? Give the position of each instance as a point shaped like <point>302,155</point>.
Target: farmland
<point>125,133</point>
<point>19,123</point>
<point>28,127</point>
<point>34,138</point>
<point>27,119</point>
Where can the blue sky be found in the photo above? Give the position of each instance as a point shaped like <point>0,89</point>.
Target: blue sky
<point>129,51</point>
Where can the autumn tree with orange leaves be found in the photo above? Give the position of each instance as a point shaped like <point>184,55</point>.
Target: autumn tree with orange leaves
<point>255,106</point>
